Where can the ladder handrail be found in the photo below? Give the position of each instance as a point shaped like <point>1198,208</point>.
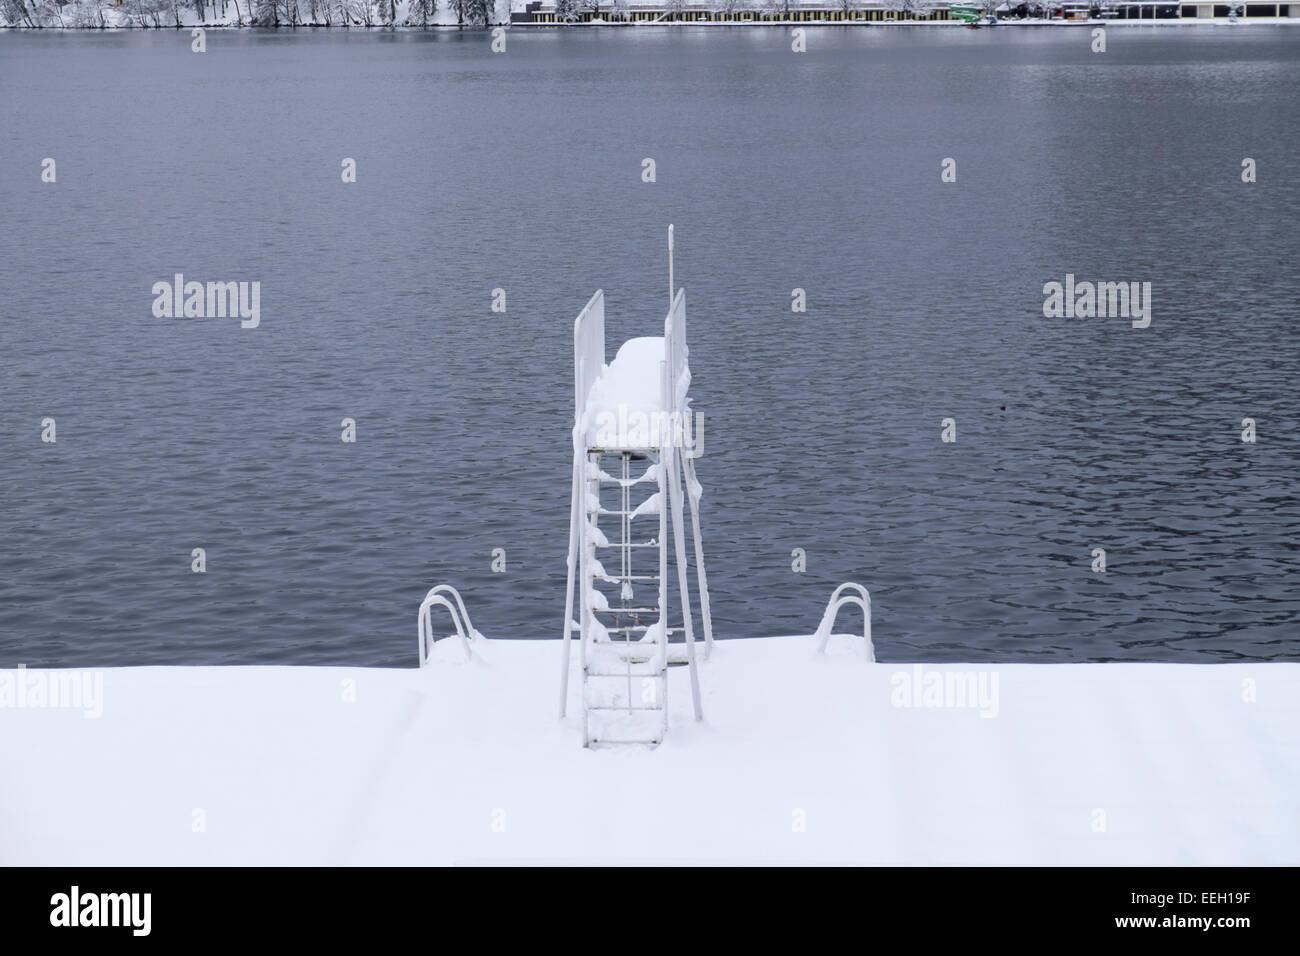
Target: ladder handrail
<point>424,622</point>
<point>838,600</point>
<point>469,625</point>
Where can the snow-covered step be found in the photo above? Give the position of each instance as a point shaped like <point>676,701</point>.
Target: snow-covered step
<point>618,651</point>
<point>615,667</point>
<point>623,727</point>
<point>645,692</point>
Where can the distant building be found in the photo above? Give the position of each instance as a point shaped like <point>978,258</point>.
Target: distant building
<point>1165,10</point>
<point>828,11</point>
<point>877,11</point>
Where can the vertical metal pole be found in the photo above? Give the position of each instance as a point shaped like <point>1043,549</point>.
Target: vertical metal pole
<point>671,287</point>
<point>625,531</point>
<point>568,593</point>
<point>663,554</point>
<point>668,458</point>
<point>679,540</point>
<point>702,578</point>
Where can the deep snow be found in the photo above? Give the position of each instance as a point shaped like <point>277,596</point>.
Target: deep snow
<point>800,758</point>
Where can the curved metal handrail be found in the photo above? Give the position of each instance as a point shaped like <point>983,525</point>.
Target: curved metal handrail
<point>474,635</point>
<point>459,617</point>
<point>863,600</point>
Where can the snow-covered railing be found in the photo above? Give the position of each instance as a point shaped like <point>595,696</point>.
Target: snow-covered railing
<point>838,599</point>
<point>459,617</point>
<point>588,351</point>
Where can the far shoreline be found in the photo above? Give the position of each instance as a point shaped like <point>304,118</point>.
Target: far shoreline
<point>665,24</point>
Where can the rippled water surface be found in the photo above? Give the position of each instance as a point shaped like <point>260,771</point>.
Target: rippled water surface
<point>822,430</point>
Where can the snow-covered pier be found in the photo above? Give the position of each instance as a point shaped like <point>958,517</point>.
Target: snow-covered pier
<point>802,757</point>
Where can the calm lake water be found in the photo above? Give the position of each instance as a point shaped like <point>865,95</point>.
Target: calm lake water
<point>522,171</point>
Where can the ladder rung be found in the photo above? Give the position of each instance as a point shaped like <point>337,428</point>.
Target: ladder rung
<point>645,742</point>
<point>631,648</point>
<point>625,610</point>
<point>625,577</point>
<point>622,710</point>
<point>611,480</point>
<point>611,666</point>
<point>622,673</point>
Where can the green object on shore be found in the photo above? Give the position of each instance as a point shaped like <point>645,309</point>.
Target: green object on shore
<point>965,12</point>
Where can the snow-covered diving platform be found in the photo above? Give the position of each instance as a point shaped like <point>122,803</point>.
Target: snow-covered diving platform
<point>632,458</point>
<point>801,757</point>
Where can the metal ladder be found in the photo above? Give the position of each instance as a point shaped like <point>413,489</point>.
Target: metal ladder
<point>624,642</point>
<point>625,665</point>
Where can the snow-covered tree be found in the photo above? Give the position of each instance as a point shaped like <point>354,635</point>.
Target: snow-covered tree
<point>421,12</point>
<point>918,9</point>
<point>567,10</point>
<point>83,14</point>
<point>352,11</point>
<point>145,13</point>
<point>16,12</point>
<point>47,13</point>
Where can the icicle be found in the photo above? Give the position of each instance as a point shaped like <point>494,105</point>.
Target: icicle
<point>626,591</point>
<point>650,474</point>
<point>596,600</point>
<point>648,507</point>
<point>654,633</point>
<point>596,537</point>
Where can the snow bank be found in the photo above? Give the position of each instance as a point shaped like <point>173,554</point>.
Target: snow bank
<point>800,758</point>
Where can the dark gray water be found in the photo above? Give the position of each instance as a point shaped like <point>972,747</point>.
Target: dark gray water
<point>822,430</point>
